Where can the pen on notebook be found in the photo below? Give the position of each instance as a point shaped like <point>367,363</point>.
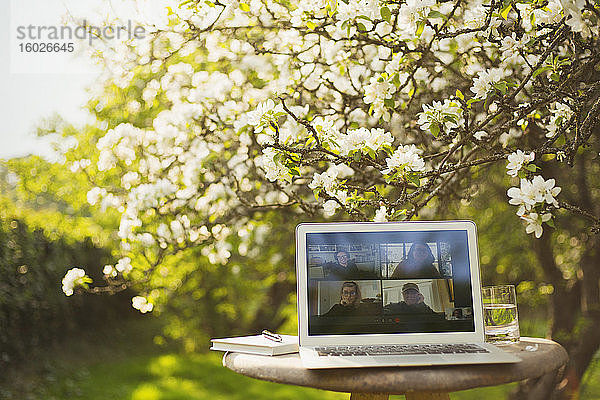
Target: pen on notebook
<point>272,336</point>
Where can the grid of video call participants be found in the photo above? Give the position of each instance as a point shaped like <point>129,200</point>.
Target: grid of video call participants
<point>410,284</point>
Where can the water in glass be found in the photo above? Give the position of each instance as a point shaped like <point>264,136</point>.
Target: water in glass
<point>501,323</point>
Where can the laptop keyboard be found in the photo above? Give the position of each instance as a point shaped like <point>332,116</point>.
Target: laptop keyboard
<point>404,349</point>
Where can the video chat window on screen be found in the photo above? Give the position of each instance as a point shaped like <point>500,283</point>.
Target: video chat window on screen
<point>365,283</point>
<point>374,260</point>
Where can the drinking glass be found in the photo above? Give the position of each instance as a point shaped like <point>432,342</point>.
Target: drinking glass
<point>500,316</point>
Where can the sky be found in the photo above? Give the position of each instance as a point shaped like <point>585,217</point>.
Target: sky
<point>28,98</point>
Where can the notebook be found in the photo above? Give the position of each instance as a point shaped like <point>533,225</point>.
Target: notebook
<point>257,344</point>
<point>391,294</point>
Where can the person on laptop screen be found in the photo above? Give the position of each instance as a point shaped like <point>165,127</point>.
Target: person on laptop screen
<point>343,267</point>
<point>350,299</point>
<point>413,302</point>
<point>418,263</point>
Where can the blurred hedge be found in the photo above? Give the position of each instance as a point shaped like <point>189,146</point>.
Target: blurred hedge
<point>34,312</point>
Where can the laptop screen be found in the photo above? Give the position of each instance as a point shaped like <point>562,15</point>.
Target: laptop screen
<point>388,282</point>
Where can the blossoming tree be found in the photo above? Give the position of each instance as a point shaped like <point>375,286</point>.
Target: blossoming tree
<point>363,109</point>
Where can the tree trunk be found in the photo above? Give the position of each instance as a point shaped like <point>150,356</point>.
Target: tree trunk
<point>575,311</point>
<point>588,340</point>
<point>565,303</point>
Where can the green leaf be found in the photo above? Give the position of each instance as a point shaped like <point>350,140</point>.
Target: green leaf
<point>389,103</point>
<point>311,25</point>
<point>532,167</point>
<point>550,223</point>
<point>501,86</point>
<point>386,14</point>
<point>414,179</point>
<point>470,102</point>
<point>560,141</point>
<point>504,12</point>
<point>460,95</point>
<point>361,27</point>
<point>420,28</point>
<point>540,70</point>
<point>488,100</point>
<point>435,129</point>
<point>554,76</point>
<point>437,14</point>
<point>244,7</point>
<point>396,80</point>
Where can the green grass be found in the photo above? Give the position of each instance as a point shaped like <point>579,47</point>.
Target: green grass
<point>590,384</point>
<point>124,364</point>
<point>172,376</point>
<point>194,377</point>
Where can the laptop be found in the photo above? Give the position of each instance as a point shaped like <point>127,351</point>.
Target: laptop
<point>390,294</point>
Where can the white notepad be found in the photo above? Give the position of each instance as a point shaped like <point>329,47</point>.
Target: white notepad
<point>257,344</point>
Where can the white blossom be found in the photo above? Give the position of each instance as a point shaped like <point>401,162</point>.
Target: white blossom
<point>381,215</point>
<point>485,80</point>
<point>560,113</point>
<point>95,194</point>
<point>141,303</point>
<point>534,222</point>
<point>363,140</point>
<point>549,14</point>
<point>378,138</point>
<point>440,116</point>
<point>353,8</point>
<point>511,45</point>
<point>73,278</point>
<point>329,207</point>
<point>405,158</point>
<point>110,271</point>
<point>516,161</point>
<point>479,135</point>
<point>572,10</point>
<point>124,265</point>
<point>412,12</point>
<point>265,114</point>
<point>531,193</point>
<point>376,92</point>
<point>274,170</point>
<point>325,181</point>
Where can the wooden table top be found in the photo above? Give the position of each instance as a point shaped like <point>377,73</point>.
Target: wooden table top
<point>548,357</point>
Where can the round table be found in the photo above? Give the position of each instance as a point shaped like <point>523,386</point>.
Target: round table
<point>434,382</point>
